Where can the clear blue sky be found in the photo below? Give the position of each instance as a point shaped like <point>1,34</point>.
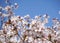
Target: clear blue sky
<point>37,7</point>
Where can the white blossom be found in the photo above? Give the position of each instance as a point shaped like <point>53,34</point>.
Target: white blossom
<point>7,8</point>
<point>16,5</point>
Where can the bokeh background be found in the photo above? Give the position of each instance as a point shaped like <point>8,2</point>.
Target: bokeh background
<point>36,7</point>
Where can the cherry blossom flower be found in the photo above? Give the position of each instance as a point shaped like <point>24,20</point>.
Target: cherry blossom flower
<point>16,5</point>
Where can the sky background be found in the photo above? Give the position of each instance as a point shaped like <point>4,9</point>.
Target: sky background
<point>37,7</point>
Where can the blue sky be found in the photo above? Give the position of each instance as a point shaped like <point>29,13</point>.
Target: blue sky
<point>37,7</point>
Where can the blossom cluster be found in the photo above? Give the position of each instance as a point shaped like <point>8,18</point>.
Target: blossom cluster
<point>19,29</point>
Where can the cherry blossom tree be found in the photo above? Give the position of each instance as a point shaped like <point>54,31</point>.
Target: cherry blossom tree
<point>23,29</point>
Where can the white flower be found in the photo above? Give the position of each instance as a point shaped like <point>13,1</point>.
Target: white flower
<point>58,33</point>
<point>39,40</point>
<point>9,33</point>
<point>46,41</point>
<point>5,15</point>
<point>33,22</point>
<point>36,30</point>
<point>13,39</point>
<point>27,16</point>
<point>7,8</point>
<point>35,41</point>
<point>36,17</point>
<point>1,32</point>
<point>2,38</point>
<point>14,18</point>
<point>45,20</point>
<point>16,5</point>
<point>22,17</point>
<point>46,16</point>
<point>25,22</point>
<point>18,28</point>
<point>30,39</point>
